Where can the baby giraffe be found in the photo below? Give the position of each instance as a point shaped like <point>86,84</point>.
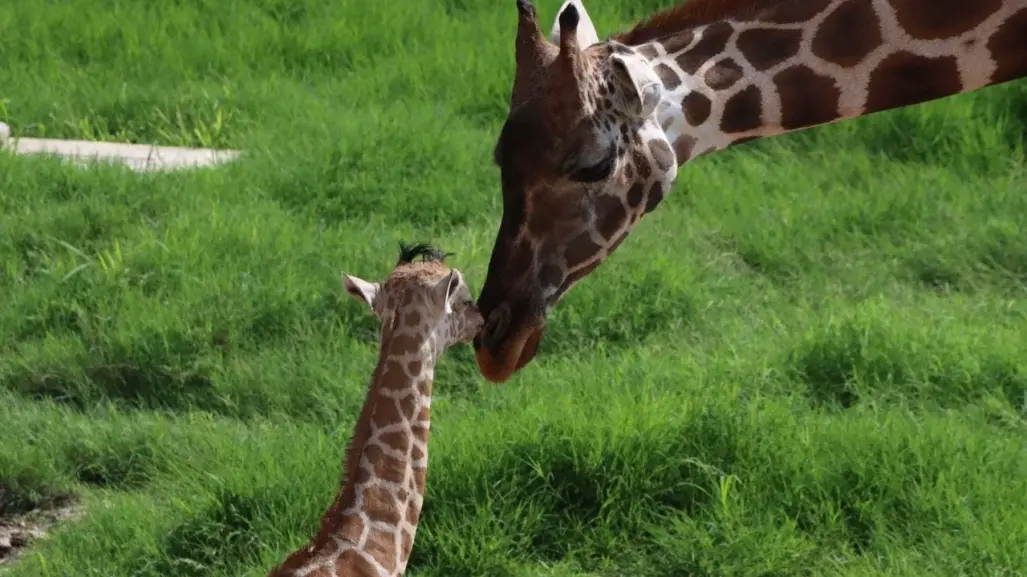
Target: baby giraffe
<point>424,307</point>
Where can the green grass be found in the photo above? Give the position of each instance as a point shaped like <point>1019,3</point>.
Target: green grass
<point>809,361</point>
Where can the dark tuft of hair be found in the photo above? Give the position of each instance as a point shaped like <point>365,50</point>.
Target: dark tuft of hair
<point>426,252</point>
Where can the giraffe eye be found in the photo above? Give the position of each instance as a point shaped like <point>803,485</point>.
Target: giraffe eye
<point>594,173</point>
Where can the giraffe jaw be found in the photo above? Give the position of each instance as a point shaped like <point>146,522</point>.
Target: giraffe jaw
<point>512,355</point>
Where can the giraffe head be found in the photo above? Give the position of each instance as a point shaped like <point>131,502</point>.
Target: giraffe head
<point>425,297</point>
<point>582,158</point>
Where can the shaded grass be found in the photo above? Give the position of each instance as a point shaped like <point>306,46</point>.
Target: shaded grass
<point>808,362</point>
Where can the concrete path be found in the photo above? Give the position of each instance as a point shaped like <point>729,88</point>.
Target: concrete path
<point>139,157</point>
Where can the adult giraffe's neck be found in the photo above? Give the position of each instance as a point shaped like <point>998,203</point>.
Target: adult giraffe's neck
<point>372,522</point>
<point>796,64</point>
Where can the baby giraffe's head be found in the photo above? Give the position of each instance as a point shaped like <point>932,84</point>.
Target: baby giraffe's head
<point>422,298</point>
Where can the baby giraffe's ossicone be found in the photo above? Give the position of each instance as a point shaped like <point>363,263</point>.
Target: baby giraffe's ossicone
<point>368,531</point>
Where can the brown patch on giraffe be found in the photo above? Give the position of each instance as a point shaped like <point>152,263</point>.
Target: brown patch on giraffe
<point>713,42</point>
<point>807,98</point>
<point>668,77</point>
<point>794,12</point>
<point>413,513</point>
<point>697,107</point>
<point>683,147</point>
<point>406,540</point>
<point>1007,48</point>
<point>635,194</point>
<point>413,319</point>
<point>648,50</point>
<point>417,451</point>
<point>678,41</point>
<point>424,414</point>
<point>767,47</point>
<point>409,406</point>
<point>414,368</point>
<point>419,476</point>
<point>654,198</point>
<point>398,441</point>
<point>641,164</point>
<point>352,562</point>
<point>403,343</point>
<point>580,250</point>
<point>611,216</point>
<point>629,171</point>
<point>723,74</point>
<point>849,34</point>
<point>933,19</point>
<point>381,546</point>
<point>351,527</point>
<point>385,466</point>
<point>743,111</point>
<point>905,78</point>
<point>661,154</point>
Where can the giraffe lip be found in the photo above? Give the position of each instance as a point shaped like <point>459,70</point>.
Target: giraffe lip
<point>497,364</point>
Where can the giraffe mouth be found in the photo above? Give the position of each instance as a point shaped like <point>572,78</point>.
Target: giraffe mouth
<point>510,356</point>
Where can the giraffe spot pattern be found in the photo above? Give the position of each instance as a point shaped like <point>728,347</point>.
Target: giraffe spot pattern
<point>407,540</point>
<point>743,111</point>
<point>413,513</point>
<point>848,35</point>
<point>905,78</point>
<point>723,75</point>
<point>655,197</point>
<point>414,368</point>
<point>635,195</point>
<point>408,407</point>
<point>419,476</point>
<point>668,77</point>
<point>641,164</point>
<point>697,107</point>
<point>678,41</point>
<point>767,47</point>
<point>611,214</point>
<point>580,249</point>
<point>683,147</point>
<point>661,154</point>
<point>397,440</point>
<point>647,50</point>
<point>352,563</point>
<point>807,98</point>
<point>932,19</point>
<point>713,42</point>
<point>384,465</point>
<point>382,546</point>
<point>1007,46</point>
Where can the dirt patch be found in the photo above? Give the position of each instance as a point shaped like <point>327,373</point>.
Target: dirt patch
<point>19,531</point>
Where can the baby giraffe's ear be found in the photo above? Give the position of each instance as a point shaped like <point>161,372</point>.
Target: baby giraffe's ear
<point>360,289</point>
<point>446,290</point>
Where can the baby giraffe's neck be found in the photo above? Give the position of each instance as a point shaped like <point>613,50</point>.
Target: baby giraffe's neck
<point>370,527</point>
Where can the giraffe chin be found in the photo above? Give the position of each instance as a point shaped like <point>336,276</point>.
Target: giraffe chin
<point>513,354</point>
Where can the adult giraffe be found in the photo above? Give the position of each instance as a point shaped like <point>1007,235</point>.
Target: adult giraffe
<point>598,129</point>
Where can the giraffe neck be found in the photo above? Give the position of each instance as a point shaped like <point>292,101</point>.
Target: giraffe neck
<point>370,527</point>
<point>802,63</point>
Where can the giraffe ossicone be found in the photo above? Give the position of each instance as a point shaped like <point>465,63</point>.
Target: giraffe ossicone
<point>424,307</point>
<point>597,130</point>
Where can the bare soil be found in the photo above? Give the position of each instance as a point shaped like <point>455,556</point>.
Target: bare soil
<point>18,532</point>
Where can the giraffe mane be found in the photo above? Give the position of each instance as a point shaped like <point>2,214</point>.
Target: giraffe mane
<point>428,253</point>
<point>689,15</point>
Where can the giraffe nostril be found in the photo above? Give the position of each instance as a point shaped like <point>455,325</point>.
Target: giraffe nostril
<point>495,327</point>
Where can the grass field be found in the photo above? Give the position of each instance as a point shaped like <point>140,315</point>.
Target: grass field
<point>810,361</point>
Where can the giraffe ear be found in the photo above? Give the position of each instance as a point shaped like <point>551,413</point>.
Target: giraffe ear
<point>446,290</point>
<point>639,80</point>
<point>586,31</point>
<point>360,289</point>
